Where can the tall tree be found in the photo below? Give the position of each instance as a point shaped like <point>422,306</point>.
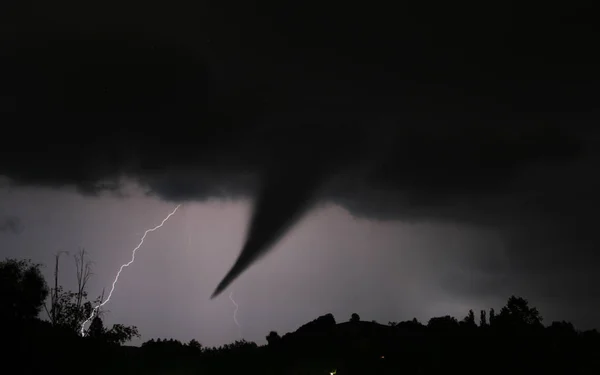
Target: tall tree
<point>54,292</point>
<point>518,312</point>
<point>71,309</point>
<point>482,318</point>
<point>469,320</point>
<point>273,338</point>
<point>492,316</point>
<point>194,345</point>
<point>23,289</point>
<point>84,272</point>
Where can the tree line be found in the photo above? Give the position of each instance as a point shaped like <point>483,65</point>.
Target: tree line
<point>44,320</point>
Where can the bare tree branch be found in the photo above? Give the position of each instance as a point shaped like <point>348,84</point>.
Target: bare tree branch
<point>54,291</point>
<point>84,272</point>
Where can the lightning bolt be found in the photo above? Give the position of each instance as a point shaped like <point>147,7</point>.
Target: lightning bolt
<point>235,313</point>
<point>95,309</point>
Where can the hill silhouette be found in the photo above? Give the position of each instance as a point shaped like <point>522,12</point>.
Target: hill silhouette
<point>514,340</point>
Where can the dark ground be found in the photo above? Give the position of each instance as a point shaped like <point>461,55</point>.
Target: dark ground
<point>321,347</point>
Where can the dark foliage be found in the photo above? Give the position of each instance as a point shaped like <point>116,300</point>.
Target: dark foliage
<point>23,290</point>
<point>514,341</point>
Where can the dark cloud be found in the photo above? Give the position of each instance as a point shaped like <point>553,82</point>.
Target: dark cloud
<point>404,115</point>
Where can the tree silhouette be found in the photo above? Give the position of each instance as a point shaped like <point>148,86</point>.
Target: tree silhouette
<point>23,289</point>
<point>562,327</point>
<point>515,341</point>
<point>70,309</point>
<point>120,334</point>
<point>443,323</point>
<point>518,312</point>
<point>469,320</point>
<point>67,311</point>
<point>239,346</point>
<point>482,318</point>
<point>96,330</point>
<point>194,345</point>
<point>492,316</point>
<point>67,308</point>
<point>273,338</point>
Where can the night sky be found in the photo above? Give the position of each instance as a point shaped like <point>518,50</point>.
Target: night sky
<point>397,162</point>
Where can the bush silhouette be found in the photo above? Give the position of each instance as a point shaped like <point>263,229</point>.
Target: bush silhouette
<point>514,341</point>
<point>23,290</point>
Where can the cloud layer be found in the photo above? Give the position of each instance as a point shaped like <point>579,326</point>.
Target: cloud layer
<point>416,119</point>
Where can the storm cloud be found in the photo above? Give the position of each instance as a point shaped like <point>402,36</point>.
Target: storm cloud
<point>413,117</point>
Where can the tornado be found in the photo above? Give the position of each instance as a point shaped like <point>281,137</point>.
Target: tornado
<point>299,163</point>
<point>285,196</point>
<point>303,158</point>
